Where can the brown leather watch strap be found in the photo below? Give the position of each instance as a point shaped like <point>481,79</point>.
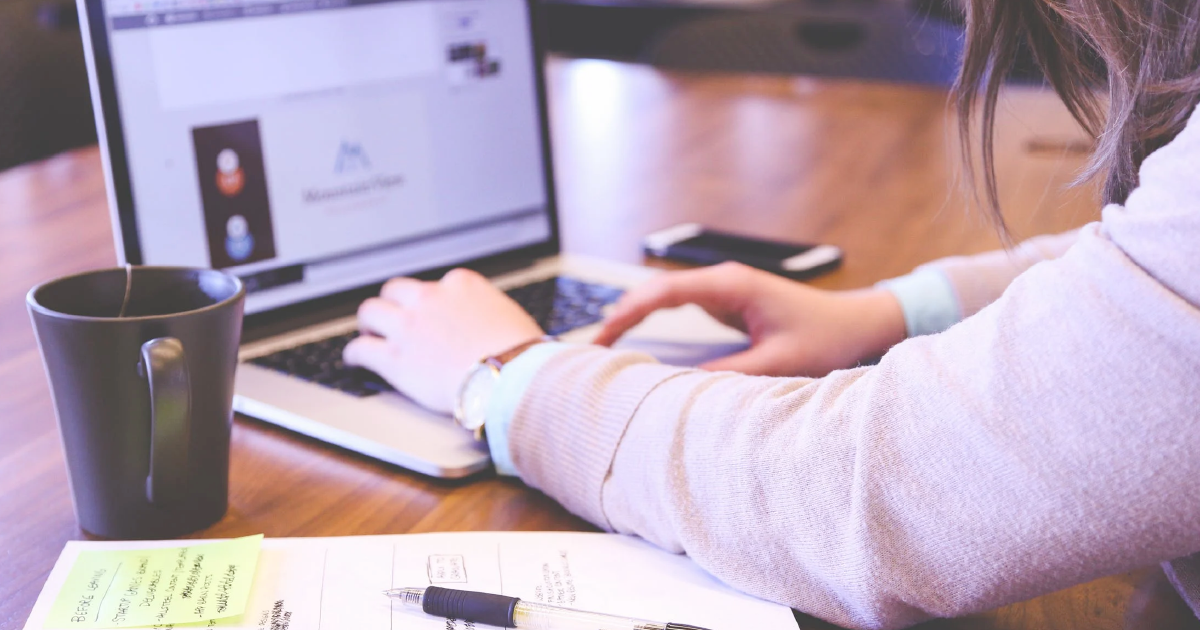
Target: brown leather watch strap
<point>501,359</point>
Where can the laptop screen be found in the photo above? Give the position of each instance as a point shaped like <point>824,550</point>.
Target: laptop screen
<point>312,146</point>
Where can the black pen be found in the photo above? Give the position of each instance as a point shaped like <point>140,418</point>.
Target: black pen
<point>510,612</point>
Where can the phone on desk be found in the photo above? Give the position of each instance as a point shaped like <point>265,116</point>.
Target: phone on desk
<point>696,244</point>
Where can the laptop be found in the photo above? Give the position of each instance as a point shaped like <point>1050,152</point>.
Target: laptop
<point>317,148</point>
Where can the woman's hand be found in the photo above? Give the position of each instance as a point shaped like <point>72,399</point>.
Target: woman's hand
<point>795,330</point>
<point>423,337</point>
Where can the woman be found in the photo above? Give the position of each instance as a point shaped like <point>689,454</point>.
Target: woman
<point>1045,437</point>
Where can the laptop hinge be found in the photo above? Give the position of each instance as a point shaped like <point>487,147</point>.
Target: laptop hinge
<point>494,267</point>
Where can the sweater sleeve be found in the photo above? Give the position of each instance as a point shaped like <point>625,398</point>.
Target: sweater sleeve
<point>937,295</point>
<point>927,301</point>
<point>1042,442</point>
<point>979,279</point>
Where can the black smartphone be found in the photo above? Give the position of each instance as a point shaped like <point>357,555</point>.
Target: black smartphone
<point>695,244</point>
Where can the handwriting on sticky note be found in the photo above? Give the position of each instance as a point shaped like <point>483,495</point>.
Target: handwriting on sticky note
<point>156,587</point>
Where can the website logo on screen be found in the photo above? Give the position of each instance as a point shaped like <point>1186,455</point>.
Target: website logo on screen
<point>230,177</point>
<point>355,177</point>
<point>351,158</point>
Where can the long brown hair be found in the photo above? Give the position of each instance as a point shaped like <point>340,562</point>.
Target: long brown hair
<point>1151,49</point>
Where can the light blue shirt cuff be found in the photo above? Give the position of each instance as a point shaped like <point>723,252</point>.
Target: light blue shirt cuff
<point>927,299</point>
<point>515,378</point>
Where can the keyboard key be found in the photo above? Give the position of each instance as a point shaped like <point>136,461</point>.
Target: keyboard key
<point>321,362</point>
<point>562,304</point>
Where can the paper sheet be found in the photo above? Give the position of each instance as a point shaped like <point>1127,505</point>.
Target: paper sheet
<point>119,587</point>
<point>336,583</point>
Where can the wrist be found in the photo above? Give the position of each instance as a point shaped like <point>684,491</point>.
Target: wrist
<point>879,321</point>
<point>515,382</point>
<point>478,385</point>
<point>927,300</point>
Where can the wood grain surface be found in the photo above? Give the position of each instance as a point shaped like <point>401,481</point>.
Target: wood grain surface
<point>868,167</point>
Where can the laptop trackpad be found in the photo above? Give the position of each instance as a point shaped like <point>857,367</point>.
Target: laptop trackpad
<point>685,336</point>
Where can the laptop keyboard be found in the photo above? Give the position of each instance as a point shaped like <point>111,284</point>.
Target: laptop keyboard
<point>561,304</point>
<point>558,305</point>
<point>321,362</point>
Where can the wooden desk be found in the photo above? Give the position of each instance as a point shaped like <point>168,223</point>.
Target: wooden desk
<point>866,167</point>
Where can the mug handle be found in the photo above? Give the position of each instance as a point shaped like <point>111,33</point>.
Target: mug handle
<point>164,366</point>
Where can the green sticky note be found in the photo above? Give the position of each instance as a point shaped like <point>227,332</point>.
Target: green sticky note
<point>155,587</point>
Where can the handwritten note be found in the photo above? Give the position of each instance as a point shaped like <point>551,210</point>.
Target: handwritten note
<point>156,587</point>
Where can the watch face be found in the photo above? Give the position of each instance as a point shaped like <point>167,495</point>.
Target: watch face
<point>476,394</point>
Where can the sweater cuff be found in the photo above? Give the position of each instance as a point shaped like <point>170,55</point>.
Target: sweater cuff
<point>927,299</point>
<point>515,378</point>
<point>568,426</point>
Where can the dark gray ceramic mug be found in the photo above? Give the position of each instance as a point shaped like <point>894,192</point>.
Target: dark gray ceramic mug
<point>144,401</point>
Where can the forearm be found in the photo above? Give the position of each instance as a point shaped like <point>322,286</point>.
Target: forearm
<point>980,279</point>
<point>1002,459</point>
<point>941,293</point>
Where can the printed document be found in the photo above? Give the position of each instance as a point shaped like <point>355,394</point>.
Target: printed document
<point>338,583</point>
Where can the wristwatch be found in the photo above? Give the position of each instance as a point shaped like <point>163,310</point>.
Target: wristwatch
<point>470,410</point>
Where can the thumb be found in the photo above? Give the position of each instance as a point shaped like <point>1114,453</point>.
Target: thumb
<point>719,290</point>
<point>755,361</point>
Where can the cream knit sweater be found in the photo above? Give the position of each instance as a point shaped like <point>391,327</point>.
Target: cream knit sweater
<point>1048,439</point>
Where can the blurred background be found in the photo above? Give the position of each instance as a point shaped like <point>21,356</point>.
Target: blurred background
<point>45,106</point>
<point>44,102</point>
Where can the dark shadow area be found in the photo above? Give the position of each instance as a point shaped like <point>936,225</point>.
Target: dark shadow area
<point>919,41</point>
<point>45,106</point>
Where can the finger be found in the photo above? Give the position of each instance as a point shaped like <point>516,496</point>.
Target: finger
<point>638,303</point>
<point>755,361</point>
<point>709,288</point>
<point>381,318</point>
<point>404,291</point>
<point>461,276</point>
<point>369,352</point>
